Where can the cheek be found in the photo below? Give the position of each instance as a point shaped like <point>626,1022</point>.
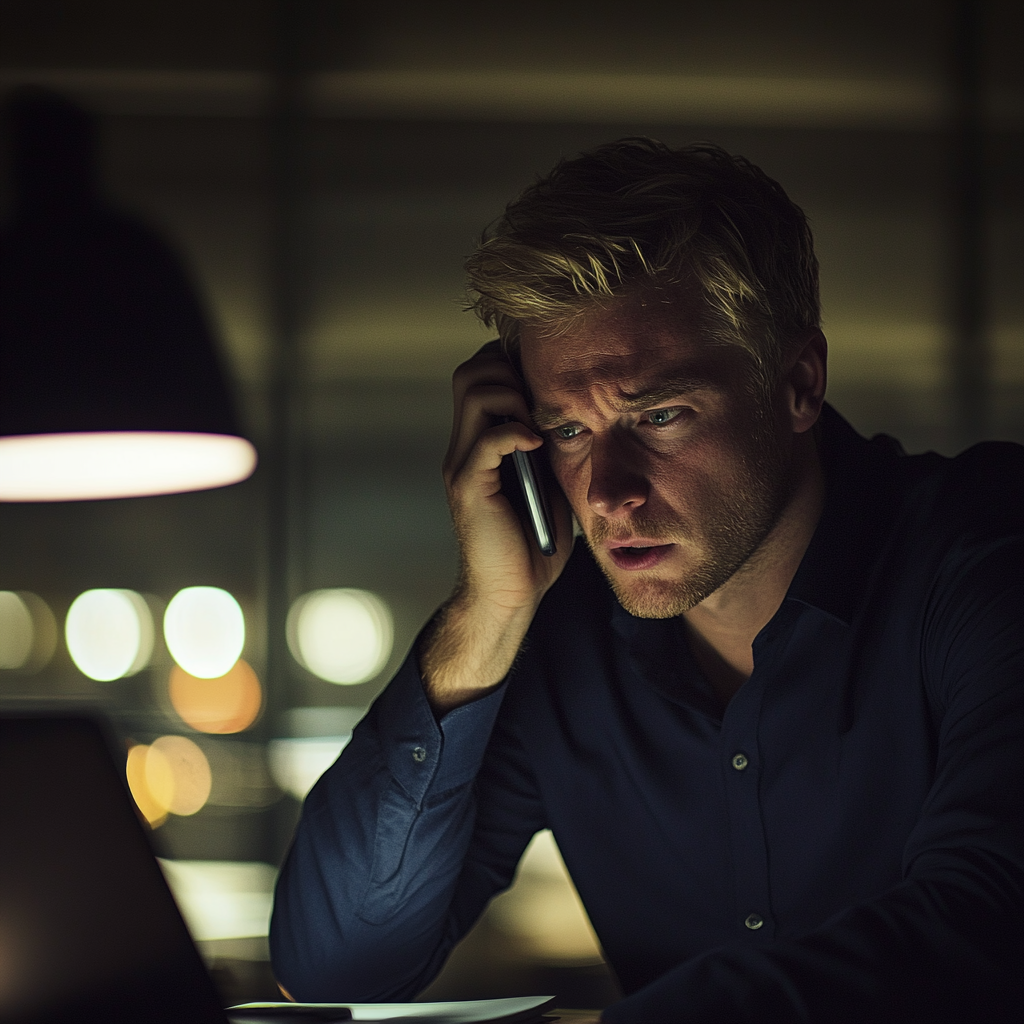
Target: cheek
<point>572,476</point>
<point>697,475</point>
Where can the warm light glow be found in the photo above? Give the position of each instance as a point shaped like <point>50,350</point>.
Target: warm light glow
<point>205,631</point>
<point>228,703</point>
<point>125,464</point>
<point>152,809</point>
<point>109,633</point>
<point>343,636</point>
<point>16,630</point>
<point>543,911</point>
<point>170,775</point>
<point>189,783</point>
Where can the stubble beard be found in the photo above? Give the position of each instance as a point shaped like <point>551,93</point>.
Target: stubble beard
<point>724,537</point>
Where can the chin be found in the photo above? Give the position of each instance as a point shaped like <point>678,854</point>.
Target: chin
<point>655,599</point>
<point>650,597</point>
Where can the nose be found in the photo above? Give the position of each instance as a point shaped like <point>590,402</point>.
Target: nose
<point>617,481</point>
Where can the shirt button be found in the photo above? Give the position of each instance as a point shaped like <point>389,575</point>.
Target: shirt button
<point>419,755</point>
<point>754,921</point>
<point>739,762</point>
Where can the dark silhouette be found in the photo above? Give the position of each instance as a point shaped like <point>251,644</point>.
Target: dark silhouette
<point>100,327</point>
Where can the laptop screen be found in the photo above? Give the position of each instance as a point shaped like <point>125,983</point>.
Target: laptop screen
<point>88,929</point>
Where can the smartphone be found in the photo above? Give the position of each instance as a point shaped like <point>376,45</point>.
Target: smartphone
<point>537,510</point>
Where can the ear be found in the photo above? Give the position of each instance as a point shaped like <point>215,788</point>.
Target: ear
<point>804,380</point>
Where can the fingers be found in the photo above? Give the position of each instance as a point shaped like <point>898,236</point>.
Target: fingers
<point>488,367</point>
<point>502,567</point>
<point>485,408</point>
<point>485,449</point>
<point>485,389</point>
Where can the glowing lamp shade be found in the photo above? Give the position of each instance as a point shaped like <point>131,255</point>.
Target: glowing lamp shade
<point>109,633</point>
<point>205,631</point>
<point>112,383</point>
<point>343,635</point>
<point>119,464</point>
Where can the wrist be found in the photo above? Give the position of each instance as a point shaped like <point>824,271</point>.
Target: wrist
<point>470,649</point>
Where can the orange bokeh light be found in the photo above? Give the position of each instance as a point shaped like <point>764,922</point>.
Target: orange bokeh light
<point>171,774</point>
<point>153,810</point>
<point>229,703</point>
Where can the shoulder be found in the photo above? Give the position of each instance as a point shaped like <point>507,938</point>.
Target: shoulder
<point>929,494</point>
<point>979,492</point>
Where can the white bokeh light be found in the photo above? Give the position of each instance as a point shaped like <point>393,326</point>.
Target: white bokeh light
<point>109,633</point>
<point>205,631</point>
<point>343,636</point>
<point>296,763</point>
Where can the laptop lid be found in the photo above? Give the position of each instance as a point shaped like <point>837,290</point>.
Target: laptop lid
<point>88,928</point>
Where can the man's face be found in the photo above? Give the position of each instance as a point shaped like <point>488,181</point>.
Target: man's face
<point>674,466</point>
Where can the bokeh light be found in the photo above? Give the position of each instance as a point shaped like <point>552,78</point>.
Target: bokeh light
<point>205,631</point>
<point>317,735</point>
<point>228,703</point>
<point>44,631</point>
<point>342,635</point>
<point>119,464</point>
<point>152,808</point>
<point>109,633</point>
<point>222,899</point>
<point>297,762</point>
<point>16,630</point>
<point>190,776</point>
<point>169,776</point>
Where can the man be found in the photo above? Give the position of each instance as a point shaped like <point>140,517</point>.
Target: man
<point>770,709</point>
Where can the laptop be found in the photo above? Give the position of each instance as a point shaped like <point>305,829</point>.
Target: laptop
<point>89,930</point>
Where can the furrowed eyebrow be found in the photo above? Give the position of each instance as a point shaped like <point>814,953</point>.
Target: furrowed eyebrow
<point>665,392</point>
<point>546,417</point>
<point>662,393</point>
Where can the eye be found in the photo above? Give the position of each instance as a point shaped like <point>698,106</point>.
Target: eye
<point>567,431</point>
<point>659,417</point>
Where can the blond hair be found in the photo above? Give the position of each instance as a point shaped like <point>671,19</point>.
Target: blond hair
<point>636,214</point>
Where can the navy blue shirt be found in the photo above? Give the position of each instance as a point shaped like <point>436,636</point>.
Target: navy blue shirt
<point>843,841</point>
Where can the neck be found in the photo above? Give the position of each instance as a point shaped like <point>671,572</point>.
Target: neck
<point>723,626</point>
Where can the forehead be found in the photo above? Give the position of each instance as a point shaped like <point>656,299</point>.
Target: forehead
<point>626,351</point>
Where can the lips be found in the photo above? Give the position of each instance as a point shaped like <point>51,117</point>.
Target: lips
<point>637,554</point>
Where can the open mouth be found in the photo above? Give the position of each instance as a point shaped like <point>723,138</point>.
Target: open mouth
<point>640,556</point>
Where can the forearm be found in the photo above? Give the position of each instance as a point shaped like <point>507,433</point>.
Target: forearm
<point>469,649</point>
<point>364,906</point>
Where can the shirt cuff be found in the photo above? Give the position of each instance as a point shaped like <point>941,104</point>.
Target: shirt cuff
<point>422,753</point>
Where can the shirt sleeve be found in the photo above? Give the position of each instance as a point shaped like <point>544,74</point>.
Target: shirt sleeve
<point>391,863</point>
<point>945,944</point>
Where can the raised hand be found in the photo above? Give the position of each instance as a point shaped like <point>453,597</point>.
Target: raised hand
<point>503,574</point>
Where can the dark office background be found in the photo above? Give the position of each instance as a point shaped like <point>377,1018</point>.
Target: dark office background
<point>323,168</point>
